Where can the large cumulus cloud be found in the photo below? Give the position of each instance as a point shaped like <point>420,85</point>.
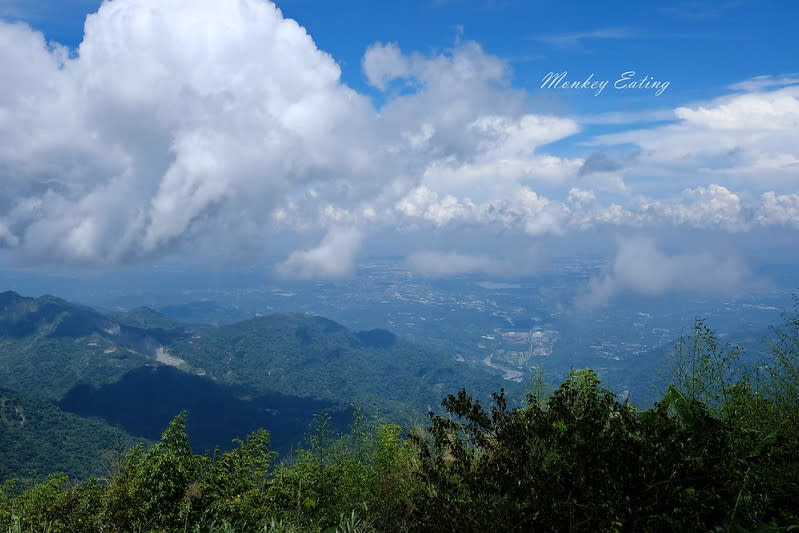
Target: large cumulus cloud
<point>212,121</point>
<point>173,119</point>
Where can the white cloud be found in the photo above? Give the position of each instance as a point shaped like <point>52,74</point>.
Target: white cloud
<point>417,202</point>
<point>639,267</point>
<point>525,209</point>
<point>181,123</point>
<point>712,207</point>
<point>581,198</point>
<point>578,38</point>
<point>383,63</point>
<point>176,121</point>
<point>334,257</point>
<point>765,82</point>
<point>744,140</point>
<point>471,133</point>
<point>774,111</point>
<point>6,237</point>
<point>779,209</point>
<point>442,264</point>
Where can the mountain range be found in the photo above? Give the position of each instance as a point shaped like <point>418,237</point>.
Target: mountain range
<point>108,379</point>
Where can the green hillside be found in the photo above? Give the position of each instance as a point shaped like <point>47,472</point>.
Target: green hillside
<point>316,357</point>
<point>48,346</point>
<point>149,319</point>
<point>138,369</point>
<point>37,438</point>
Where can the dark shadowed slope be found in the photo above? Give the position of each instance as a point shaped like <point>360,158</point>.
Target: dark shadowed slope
<point>146,399</point>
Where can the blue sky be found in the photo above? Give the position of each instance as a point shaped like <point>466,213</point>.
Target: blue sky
<point>700,46</point>
<point>218,130</point>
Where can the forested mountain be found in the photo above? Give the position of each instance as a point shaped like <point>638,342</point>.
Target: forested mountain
<point>137,369</point>
<point>48,346</point>
<point>149,319</point>
<point>316,357</point>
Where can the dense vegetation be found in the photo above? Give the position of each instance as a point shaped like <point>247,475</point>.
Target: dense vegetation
<point>717,453</point>
<point>273,372</point>
<point>312,356</point>
<point>48,345</point>
<point>37,438</point>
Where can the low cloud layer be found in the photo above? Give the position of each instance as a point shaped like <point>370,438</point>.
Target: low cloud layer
<point>444,264</point>
<point>334,257</point>
<point>640,267</point>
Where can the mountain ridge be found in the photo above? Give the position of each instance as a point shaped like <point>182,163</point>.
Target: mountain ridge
<point>277,369</point>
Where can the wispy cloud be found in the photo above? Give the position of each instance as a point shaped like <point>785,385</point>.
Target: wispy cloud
<point>700,11</point>
<point>758,83</point>
<point>577,39</point>
<point>491,4</point>
<point>627,117</point>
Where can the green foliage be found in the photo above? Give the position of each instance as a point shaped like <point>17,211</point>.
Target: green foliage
<point>232,483</point>
<point>783,368</point>
<point>341,482</point>
<point>582,461</point>
<point>781,387</point>
<point>37,438</point>
<point>717,453</point>
<point>705,370</point>
<point>315,357</point>
<point>151,490</point>
<point>541,466</point>
<point>367,471</point>
<point>54,505</point>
